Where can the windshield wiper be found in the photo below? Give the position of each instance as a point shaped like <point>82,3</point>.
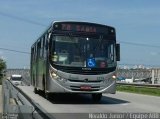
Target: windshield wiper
<point>98,45</point>
<point>77,47</point>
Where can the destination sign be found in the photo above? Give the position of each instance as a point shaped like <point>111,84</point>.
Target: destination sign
<point>80,27</point>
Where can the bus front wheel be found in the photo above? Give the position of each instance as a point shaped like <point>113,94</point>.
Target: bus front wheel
<point>47,95</point>
<point>97,97</point>
<point>35,90</point>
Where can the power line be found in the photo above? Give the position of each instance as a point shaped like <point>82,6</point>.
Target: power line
<point>22,19</point>
<point>11,50</point>
<point>139,44</point>
<point>6,49</point>
<point>40,24</point>
<point>146,65</point>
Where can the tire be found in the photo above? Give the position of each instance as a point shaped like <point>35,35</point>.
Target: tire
<point>47,95</point>
<point>97,97</point>
<point>43,83</point>
<point>35,90</point>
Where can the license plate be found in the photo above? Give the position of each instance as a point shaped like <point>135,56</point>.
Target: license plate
<point>85,87</point>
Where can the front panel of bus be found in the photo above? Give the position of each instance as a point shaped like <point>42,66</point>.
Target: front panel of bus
<point>82,58</point>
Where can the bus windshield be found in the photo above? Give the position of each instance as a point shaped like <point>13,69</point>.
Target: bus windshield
<point>83,52</point>
<point>16,78</point>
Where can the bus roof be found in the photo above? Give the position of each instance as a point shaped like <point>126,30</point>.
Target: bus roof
<point>51,26</point>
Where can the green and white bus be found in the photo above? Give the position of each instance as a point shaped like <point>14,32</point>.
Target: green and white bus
<point>75,57</point>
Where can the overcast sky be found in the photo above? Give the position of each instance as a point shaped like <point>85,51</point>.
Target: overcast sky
<point>137,24</point>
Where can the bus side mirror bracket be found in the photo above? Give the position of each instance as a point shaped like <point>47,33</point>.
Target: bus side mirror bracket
<point>117,52</point>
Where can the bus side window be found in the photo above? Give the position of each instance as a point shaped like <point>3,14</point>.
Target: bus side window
<point>41,48</point>
<point>38,49</point>
<point>32,54</point>
<point>46,41</point>
<point>45,47</point>
<point>35,51</point>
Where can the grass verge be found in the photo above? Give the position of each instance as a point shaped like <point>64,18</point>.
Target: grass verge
<point>139,90</point>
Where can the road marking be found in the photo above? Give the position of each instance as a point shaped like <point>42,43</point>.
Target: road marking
<point>124,104</point>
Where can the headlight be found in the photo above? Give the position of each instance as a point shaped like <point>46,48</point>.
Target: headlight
<point>54,75</point>
<point>114,77</point>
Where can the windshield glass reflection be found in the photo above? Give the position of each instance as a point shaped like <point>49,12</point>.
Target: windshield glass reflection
<point>83,52</point>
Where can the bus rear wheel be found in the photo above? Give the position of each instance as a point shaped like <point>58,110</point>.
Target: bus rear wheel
<point>97,97</point>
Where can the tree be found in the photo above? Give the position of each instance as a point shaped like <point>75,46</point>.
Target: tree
<point>2,68</point>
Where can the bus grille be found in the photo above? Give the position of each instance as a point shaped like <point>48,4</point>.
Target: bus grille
<point>89,81</point>
<point>83,72</point>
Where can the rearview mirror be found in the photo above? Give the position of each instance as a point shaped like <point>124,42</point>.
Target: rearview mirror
<point>117,52</point>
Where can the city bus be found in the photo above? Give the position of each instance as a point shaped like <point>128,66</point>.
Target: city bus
<point>75,57</point>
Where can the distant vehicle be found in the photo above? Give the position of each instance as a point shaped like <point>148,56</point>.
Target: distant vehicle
<point>75,57</point>
<point>129,80</point>
<point>16,79</point>
<point>121,78</point>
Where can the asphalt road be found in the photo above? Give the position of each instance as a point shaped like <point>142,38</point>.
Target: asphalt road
<point>111,103</point>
